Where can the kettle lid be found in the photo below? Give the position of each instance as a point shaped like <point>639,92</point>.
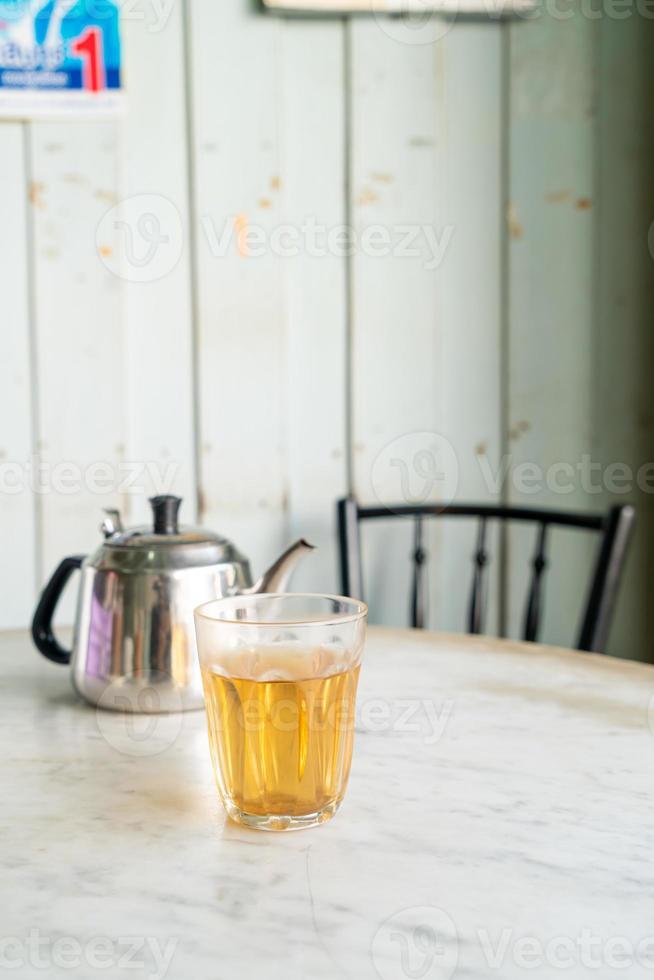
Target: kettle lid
<point>165,541</point>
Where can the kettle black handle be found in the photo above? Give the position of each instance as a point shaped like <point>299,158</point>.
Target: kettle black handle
<point>42,632</point>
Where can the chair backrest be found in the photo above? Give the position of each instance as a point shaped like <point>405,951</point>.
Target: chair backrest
<point>614,529</point>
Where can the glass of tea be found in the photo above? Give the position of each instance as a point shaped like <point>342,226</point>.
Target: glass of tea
<point>280,676</point>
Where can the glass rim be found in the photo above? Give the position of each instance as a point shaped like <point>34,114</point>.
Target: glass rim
<point>337,619</point>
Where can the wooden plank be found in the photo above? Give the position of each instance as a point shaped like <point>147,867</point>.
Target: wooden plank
<point>159,323</point>
<point>241,330</point>
<point>623,417</point>
<point>313,105</point>
<point>79,336</point>
<point>417,122</point>
<point>470,282</point>
<point>17,509</point>
<point>394,338</point>
<point>551,224</point>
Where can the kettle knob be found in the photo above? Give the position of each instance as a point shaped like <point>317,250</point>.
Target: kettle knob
<point>165,509</point>
<point>112,524</point>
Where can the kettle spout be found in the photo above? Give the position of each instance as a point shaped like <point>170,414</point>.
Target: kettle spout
<point>277,577</point>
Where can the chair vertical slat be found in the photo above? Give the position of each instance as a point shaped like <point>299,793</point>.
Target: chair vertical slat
<point>477,596</point>
<point>606,578</point>
<point>350,548</point>
<point>535,600</point>
<point>419,590</point>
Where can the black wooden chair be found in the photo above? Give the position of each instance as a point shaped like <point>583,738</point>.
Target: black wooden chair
<point>614,528</point>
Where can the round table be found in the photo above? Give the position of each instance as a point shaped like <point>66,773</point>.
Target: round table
<point>498,823</point>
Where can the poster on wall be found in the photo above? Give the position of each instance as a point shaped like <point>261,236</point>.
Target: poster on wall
<point>59,58</point>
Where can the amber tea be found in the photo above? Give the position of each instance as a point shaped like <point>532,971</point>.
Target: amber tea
<point>282,746</point>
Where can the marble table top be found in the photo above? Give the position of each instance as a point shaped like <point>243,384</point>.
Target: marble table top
<point>498,823</point>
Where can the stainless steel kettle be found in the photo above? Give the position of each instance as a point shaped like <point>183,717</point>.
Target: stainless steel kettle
<point>134,640</point>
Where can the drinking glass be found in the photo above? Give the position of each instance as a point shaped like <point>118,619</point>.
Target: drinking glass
<point>280,675</point>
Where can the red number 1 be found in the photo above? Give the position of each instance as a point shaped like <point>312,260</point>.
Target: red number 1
<point>89,48</point>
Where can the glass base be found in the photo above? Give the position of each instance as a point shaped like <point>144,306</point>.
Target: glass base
<point>277,822</point>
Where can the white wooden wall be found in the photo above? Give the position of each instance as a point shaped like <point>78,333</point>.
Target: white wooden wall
<point>270,384</point>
